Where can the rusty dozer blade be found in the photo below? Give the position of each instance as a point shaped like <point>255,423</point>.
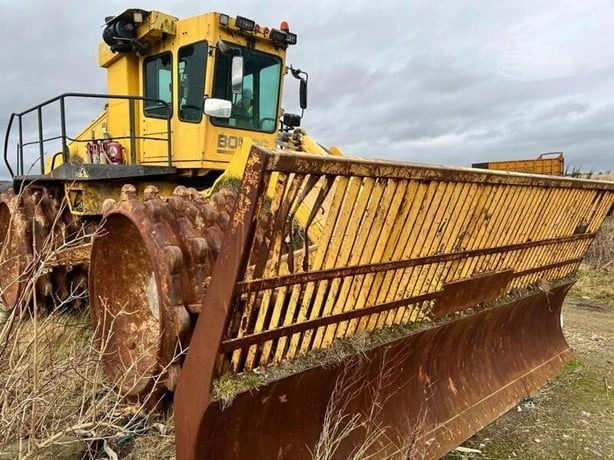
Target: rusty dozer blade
<point>346,304</point>
<point>418,397</point>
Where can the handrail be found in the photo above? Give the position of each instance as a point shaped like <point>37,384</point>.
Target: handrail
<point>64,137</point>
<point>6,145</point>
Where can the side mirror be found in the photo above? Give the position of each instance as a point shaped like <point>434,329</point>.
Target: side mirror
<point>302,95</point>
<point>219,108</point>
<point>302,77</point>
<point>237,75</point>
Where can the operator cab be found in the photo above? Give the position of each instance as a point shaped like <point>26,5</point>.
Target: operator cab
<point>185,94</point>
<point>221,89</point>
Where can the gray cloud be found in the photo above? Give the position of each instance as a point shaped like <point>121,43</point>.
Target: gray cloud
<point>456,83</point>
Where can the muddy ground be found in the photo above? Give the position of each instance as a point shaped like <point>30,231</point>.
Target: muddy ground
<point>573,416</point>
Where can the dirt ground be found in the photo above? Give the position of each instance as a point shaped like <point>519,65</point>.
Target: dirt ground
<point>573,416</point>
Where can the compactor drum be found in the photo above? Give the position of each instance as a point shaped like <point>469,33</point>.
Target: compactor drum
<point>291,304</point>
<point>44,251</point>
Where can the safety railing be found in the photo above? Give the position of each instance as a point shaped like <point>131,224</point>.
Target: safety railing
<point>37,110</point>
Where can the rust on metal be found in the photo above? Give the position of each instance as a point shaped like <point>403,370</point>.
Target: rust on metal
<point>285,331</point>
<point>16,253</point>
<point>389,240</point>
<point>149,262</point>
<point>345,166</point>
<point>35,229</point>
<point>563,263</point>
<point>386,245</point>
<point>71,255</point>
<point>307,276</point>
<point>426,393</point>
<point>454,297</point>
<point>459,295</point>
<point>313,251</point>
<point>192,397</point>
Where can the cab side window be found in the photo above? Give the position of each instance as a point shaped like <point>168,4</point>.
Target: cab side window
<point>157,76</point>
<point>191,68</point>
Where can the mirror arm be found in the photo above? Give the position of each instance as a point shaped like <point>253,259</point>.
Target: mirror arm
<point>303,77</point>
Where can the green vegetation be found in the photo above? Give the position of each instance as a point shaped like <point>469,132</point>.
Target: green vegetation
<point>571,418</point>
<point>593,286</point>
<point>568,419</point>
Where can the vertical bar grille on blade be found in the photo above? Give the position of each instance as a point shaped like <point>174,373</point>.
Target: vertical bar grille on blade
<point>383,243</point>
<point>431,261</point>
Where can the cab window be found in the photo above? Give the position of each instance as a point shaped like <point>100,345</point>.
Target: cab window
<point>191,68</point>
<point>256,107</point>
<point>157,78</point>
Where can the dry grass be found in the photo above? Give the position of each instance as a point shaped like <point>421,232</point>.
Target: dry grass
<point>600,256</point>
<point>595,274</point>
<point>361,435</point>
<point>605,176</point>
<point>593,285</point>
<point>53,391</point>
<point>55,400</point>
<point>229,385</point>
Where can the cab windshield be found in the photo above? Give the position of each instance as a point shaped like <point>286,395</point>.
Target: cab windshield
<point>256,107</point>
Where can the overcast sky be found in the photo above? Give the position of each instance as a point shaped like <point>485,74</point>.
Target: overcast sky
<point>461,82</point>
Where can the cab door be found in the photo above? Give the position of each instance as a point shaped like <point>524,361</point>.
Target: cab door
<point>161,74</point>
<point>157,85</point>
<point>188,123</point>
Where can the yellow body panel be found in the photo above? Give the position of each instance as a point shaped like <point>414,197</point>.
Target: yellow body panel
<point>198,147</point>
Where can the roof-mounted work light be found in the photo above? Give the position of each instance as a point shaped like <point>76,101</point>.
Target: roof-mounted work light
<point>245,24</point>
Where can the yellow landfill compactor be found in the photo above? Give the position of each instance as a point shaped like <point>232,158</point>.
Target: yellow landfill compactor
<point>351,305</point>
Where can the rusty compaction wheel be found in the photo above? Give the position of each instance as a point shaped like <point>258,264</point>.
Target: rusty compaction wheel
<point>148,269</point>
<point>33,227</point>
<point>15,249</point>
